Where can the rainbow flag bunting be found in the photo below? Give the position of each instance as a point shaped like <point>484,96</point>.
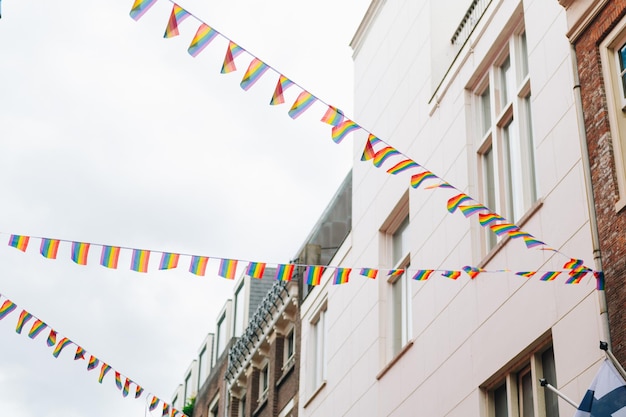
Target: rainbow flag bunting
<point>138,391</point>
<point>439,185</point>
<point>118,380</point>
<point>140,260</point>
<point>516,234</point>
<point>93,363</point>
<point>80,353</point>
<point>38,327</point>
<point>302,103</point>
<point>103,371</point>
<point>281,86</point>
<point>526,274</point>
<point>368,151</point>
<point>472,271</point>
<point>550,276</point>
<point>256,269</point>
<point>177,16</point>
<point>60,346</point>
<point>140,7</point>
<point>418,179</point>
<point>80,251</point>
<point>169,260</point>
<point>49,248</point>
<point>423,274</point>
<point>255,70</point>
<point>7,307</point>
<point>531,242</point>
<point>575,276</point>
<point>471,209</point>
<point>341,276</point>
<point>573,264</point>
<point>232,52</point>
<point>198,265</point>
<point>599,276</point>
<point>451,274</point>
<point>154,403</point>
<point>126,388</point>
<point>109,256</point>
<point>369,272</point>
<point>166,409</point>
<point>384,154</point>
<point>313,274</point>
<point>52,338</point>
<point>402,166</point>
<point>340,131</point>
<point>19,242</point>
<point>395,272</point>
<point>503,228</point>
<point>487,218</point>
<point>228,268</point>
<point>25,316</point>
<point>457,200</point>
<point>284,272</point>
<point>203,37</point>
<point>333,116</point>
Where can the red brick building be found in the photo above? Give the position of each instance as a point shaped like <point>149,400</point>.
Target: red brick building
<point>597,31</point>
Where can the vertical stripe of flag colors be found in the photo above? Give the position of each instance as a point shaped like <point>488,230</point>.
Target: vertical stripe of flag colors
<point>203,37</point>
<point>138,391</point>
<point>228,268</point>
<point>256,269</point>
<point>302,103</point>
<point>7,307</point>
<point>19,242</point>
<point>313,274</point>
<point>103,371</point>
<point>451,274</point>
<point>599,276</point>
<point>423,274</point>
<point>457,200</point>
<point>255,70</point>
<point>166,409</point>
<point>177,16</point>
<point>368,150</point>
<point>340,131</point>
<point>49,248</point>
<point>25,316</point>
<point>38,327</point>
<point>549,276</point>
<point>395,272</point>
<point>606,395</point>
<point>93,363</point>
<point>80,353</point>
<point>284,272</point>
<point>140,259</point>
<point>109,256</point>
<point>333,116</point>
<point>382,155</point>
<point>79,252</point>
<point>341,276</point>
<point>198,265</point>
<point>126,388</point>
<point>281,86</point>
<point>169,260</point>
<point>418,179</point>
<point>140,7</point>
<point>118,380</point>
<point>60,346</point>
<point>52,338</point>
<point>154,403</point>
<point>531,242</point>
<point>369,272</point>
<point>402,166</point>
<point>232,52</point>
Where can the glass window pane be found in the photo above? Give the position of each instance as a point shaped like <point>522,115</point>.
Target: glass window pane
<point>526,395</point>
<point>202,367</point>
<point>397,307</point>
<point>523,55</point>
<point>400,244</point>
<point>514,172</point>
<point>485,109</point>
<point>506,82</point>
<point>500,402</point>
<point>239,310</point>
<point>221,336</point>
<point>489,184</point>
<point>530,149</point>
<point>549,373</point>
<point>622,58</point>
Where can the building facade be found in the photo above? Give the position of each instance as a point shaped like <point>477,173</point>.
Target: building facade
<point>480,94</point>
<point>597,31</point>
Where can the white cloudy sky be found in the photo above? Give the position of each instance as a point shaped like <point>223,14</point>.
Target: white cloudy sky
<point>111,134</point>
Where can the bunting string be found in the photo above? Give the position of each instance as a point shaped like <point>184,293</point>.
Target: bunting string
<point>375,150</point>
<point>38,326</point>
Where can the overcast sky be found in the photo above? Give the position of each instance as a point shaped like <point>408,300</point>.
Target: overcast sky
<point>110,134</point>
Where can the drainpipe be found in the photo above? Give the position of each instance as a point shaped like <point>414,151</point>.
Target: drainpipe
<point>593,222</point>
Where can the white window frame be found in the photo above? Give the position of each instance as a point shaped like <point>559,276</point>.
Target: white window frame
<point>239,309</point>
<point>400,310</point>
<point>264,379</point>
<point>316,352</point>
<point>289,358</point>
<point>214,408</point>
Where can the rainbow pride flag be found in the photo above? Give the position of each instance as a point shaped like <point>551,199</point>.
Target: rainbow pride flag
<point>38,327</point>
<point>395,272</point>
<point>166,410</point>
<point>418,179</point>
<point>573,264</point>
<point>126,388</point>
<point>531,242</point>
<point>402,166</point>
<point>341,276</point>
<point>232,52</point>
<point>203,37</point>
<point>451,274</point>
<point>80,353</point>
<point>25,316</point>
<point>19,242</point>
<point>526,274</point>
<point>423,274</point>
<point>169,260</point>
<point>550,276</point>
<point>284,272</point>
<point>52,338</point>
<point>503,228</point>
<point>103,371</point>
<point>256,269</point>
<point>49,248</point>
<point>333,116</point>
<point>599,276</point>
<point>140,260</point>
<point>340,131</point>
<point>283,84</point>
<point>456,201</point>
<point>154,403</point>
<point>118,380</point>
<point>487,218</point>
<point>255,70</point>
<point>382,155</point>
<point>575,276</point>
<point>302,103</point>
<point>93,363</point>
<point>368,150</point>
<point>472,271</point>
<point>109,256</point>
<point>138,391</point>
<point>60,346</point>
<point>198,265</point>
<point>140,7</point>
<point>369,272</point>
<point>313,274</point>
<point>177,16</point>
<point>228,268</point>
<point>471,209</point>
<point>80,251</point>
<point>7,307</point>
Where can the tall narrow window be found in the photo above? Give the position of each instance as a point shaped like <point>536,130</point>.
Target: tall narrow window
<point>239,310</point>
<point>264,382</point>
<point>316,352</point>
<point>400,289</point>
<point>221,336</point>
<point>202,366</point>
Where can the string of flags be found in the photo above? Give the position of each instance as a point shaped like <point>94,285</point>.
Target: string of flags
<point>312,274</point>
<point>375,150</point>
<point>59,343</point>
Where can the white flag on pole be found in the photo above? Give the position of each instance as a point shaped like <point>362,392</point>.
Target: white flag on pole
<point>606,397</point>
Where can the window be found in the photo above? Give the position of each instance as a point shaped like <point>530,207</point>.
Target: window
<point>242,406</point>
<point>505,148</point>
<point>316,354</point>
<point>202,366</point>
<point>189,391</point>
<point>400,289</point>
<point>264,382</point>
<point>214,410</point>
<point>520,394</point>
<point>221,336</point>
<point>239,310</point>
<point>290,348</point>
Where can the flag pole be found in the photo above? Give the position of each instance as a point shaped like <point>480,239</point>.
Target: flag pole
<point>545,384</point>
<point>605,347</point>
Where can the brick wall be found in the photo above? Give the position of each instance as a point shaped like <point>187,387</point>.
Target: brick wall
<point>611,225</point>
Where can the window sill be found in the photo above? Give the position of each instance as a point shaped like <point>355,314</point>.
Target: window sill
<point>314,394</point>
<point>286,373</point>
<point>259,407</point>
<point>395,359</point>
